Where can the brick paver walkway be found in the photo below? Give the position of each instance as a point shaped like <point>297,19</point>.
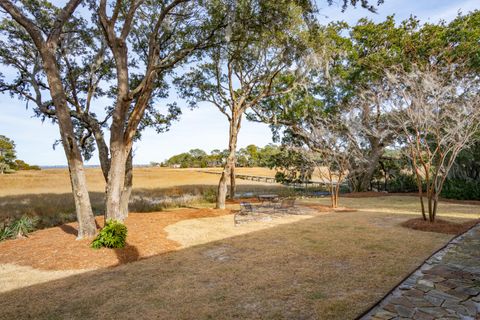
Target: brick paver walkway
<point>447,286</point>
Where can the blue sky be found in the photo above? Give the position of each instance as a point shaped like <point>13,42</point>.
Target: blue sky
<point>205,128</point>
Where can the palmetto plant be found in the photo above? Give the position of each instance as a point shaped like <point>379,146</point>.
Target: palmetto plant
<point>23,226</point>
<point>5,233</point>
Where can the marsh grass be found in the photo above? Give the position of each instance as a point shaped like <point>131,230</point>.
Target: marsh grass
<point>52,209</point>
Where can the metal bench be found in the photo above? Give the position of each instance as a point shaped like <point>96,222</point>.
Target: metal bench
<point>285,205</point>
<point>245,207</point>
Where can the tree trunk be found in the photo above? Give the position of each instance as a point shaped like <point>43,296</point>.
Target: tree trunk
<point>430,204</point>
<point>127,189</point>
<point>102,151</point>
<point>229,164</point>
<point>116,182</point>
<point>83,208</point>
<point>363,181</point>
<point>337,193</point>
<point>233,186</point>
<point>332,195</point>
<point>420,189</point>
<point>435,206</point>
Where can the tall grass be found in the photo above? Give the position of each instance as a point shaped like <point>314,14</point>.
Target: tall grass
<point>52,209</point>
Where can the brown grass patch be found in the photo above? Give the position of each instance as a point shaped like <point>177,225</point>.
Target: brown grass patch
<point>57,180</point>
<point>57,249</point>
<point>373,194</point>
<point>440,226</point>
<point>330,266</point>
<point>326,208</point>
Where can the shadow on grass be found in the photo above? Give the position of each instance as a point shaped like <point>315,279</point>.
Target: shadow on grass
<point>294,271</point>
<point>72,230</point>
<point>56,209</point>
<point>128,254</point>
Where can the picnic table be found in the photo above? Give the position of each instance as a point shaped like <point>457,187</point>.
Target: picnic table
<point>268,198</point>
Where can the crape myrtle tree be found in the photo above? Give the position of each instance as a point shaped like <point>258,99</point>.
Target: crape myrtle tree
<point>263,40</point>
<point>439,117</point>
<point>329,142</point>
<point>147,40</point>
<point>334,141</point>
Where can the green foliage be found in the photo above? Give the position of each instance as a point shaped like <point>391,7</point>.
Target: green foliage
<point>250,156</point>
<point>210,195</point>
<point>7,154</point>
<point>293,166</point>
<point>403,183</point>
<point>113,235</point>
<point>20,227</point>
<point>8,157</point>
<point>461,189</point>
<point>6,233</point>
<point>24,225</point>
<point>22,165</point>
<point>280,177</point>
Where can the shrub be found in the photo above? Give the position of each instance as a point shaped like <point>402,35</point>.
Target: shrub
<point>18,228</point>
<point>113,235</point>
<point>23,226</point>
<point>6,233</point>
<point>210,195</point>
<point>461,189</point>
<point>403,183</point>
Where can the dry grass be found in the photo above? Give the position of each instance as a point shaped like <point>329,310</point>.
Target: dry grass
<point>408,205</point>
<point>57,180</point>
<point>331,266</point>
<point>46,194</point>
<point>328,266</point>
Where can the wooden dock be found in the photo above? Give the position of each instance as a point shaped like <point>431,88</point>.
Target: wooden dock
<point>266,179</point>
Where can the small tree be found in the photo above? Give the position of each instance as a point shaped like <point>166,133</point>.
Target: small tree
<point>334,145</point>
<point>438,117</point>
<point>7,154</point>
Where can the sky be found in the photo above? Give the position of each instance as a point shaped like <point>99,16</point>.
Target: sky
<point>205,127</point>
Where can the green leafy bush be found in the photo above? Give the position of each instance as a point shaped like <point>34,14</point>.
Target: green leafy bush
<point>403,183</point>
<point>461,189</point>
<point>113,235</point>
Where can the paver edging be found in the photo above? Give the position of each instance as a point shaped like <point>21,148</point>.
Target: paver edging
<point>416,273</point>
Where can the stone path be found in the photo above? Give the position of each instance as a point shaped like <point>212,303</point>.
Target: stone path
<point>447,286</point>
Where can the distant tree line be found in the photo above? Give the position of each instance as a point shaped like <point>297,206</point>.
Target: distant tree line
<point>8,157</point>
<point>250,156</point>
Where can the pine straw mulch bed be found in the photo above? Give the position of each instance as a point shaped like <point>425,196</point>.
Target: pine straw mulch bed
<point>440,226</point>
<point>57,249</point>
